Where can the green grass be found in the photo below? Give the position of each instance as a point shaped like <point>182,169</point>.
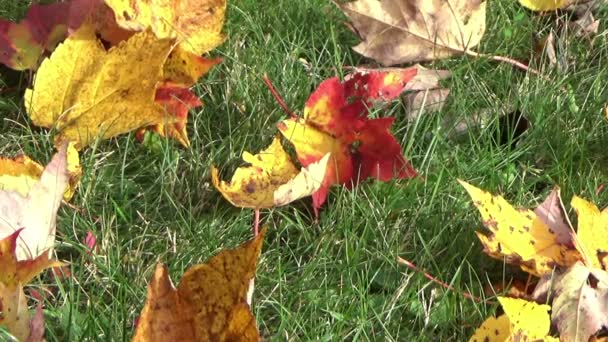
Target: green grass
<point>336,279</point>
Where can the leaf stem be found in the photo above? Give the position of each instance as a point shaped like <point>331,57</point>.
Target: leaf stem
<point>278,97</point>
<point>507,60</point>
<point>256,222</point>
<point>437,281</point>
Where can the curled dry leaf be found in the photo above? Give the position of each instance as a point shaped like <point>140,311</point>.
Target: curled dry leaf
<point>43,198</point>
<point>553,214</point>
<point>519,236</point>
<point>271,180</point>
<point>209,303</point>
<point>21,173</point>
<point>99,101</point>
<point>580,305</point>
<point>14,314</point>
<point>336,121</point>
<point>405,31</point>
<point>522,321</point>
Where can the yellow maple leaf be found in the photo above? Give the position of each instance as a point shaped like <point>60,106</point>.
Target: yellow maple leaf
<point>592,233</point>
<point>196,24</point>
<point>522,321</point>
<point>36,210</point>
<point>81,92</point>
<point>21,173</point>
<point>545,5</point>
<point>518,236</point>
<point>185,68</point>
<point>271,180</point>
<point>209,304</point>
<point>14,314</point>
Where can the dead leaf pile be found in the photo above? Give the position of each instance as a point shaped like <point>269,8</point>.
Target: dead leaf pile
<point>543,243</point>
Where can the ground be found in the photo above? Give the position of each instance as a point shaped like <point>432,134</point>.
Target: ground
<point>336,278</point>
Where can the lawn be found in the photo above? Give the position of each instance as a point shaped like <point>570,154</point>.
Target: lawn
<point>335,279</point>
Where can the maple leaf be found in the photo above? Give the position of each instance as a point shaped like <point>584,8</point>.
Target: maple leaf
<point>196,24</point>
<point>22,44</point>
<point>43,198</point>
<point>177,101</point>
<point>209,304</point>
<point>522,321</point>
<point>21,173</point>
<point>336,121</point>
<point>403,31</point>
<point>519,236</point>
<point>592,233</point>
<point>98,100</point>
<point>183,68</point>
<point>16,273</point>
<point>271,180</point>
<point>580,305</point>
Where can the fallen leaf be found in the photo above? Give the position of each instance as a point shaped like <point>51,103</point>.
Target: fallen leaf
<point>522,321</point>
<point>184,68</point>
<point>98,101</point>
<point>209,303</point>
<point>177,102</point>
<point>423,91</point>
<point>425,101</point>
<point>586,25</point>
<point>405,31</point>
<point>592,233</point>
<point>580,305</point>
<point>37,326</point>
<point>196,24</point>
<point>545,5</point>
<point>90,241</point>
<point>23,44</point>
<point>553,214</point>
<point>16,273</point>
<point>518,236</point>
<point>43,199</point>
<point>271,180</point>
<point>336,120</point>
<point>19,174</point>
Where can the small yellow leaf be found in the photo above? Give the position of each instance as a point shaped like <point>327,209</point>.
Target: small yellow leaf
<point>493,329</point>
<point>81,93</point>
<point>545,5</point>
<point>592,233</point>
<point>271,179</point>
<point>522,321</point>
<point>518,236</point>
<point>209,304</point>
